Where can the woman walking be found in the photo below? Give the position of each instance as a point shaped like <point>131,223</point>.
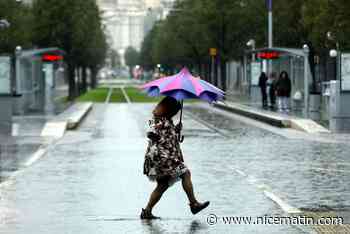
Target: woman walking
<point>164,161</point>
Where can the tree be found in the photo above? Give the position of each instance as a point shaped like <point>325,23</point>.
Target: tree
<point>194,26</point>
<point>74,26</point>
<point>115,58</point>
<point>131,58</point>
<point>20,31</point>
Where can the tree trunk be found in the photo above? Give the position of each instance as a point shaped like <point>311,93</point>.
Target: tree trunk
<point>216,72</point>
<point>312,67</point>
<point>199,65</point>
<point>223,74</point>
<point>84,80</point>
<point>71,82</point>
<point>79,80</point>
<point>93,77</point>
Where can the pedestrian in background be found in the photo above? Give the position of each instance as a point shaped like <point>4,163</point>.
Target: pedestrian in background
<point>271,84</point>
<point>263,86</point>
<point>283,91</point>
<point>164,161</point>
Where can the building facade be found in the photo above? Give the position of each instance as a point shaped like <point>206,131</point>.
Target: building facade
<point>124,22</point>
<point>128,21</point>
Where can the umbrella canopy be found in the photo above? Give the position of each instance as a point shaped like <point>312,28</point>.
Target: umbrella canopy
<point>184,86</point>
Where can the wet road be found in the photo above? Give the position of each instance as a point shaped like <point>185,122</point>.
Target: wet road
<point>92,181</point>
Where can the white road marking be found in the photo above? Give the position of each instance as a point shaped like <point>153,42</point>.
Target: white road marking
<point>55,129</point>
<point>125,95</point>
<point>15,129</point>
<point>36,156</point>
<point>267,192</point>
<point>108,98</point>
<point>241,172</point>
<point>285,206</point>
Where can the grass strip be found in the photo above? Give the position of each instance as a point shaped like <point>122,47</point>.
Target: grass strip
<point>137,95</point>
<point>117,96</point>
<point>95,95</point>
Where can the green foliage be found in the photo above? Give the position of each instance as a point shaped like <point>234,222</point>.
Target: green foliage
<point>188,32</point>
<point>115,58</point>
<point>136,95</point>
<point>95,95</point>
<point>117,96</point>
<point>74,26</point>
<point>131,57</point>
<point>20,32</point>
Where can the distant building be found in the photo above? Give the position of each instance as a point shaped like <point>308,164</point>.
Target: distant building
<point>166,6</point>
<point>124,23</point>
<point>128,21</point>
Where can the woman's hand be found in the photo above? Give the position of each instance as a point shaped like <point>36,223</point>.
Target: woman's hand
<point>153,136</point>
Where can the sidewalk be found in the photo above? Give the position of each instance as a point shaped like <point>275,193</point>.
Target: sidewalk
<point>243,106</point>
<point>32,135</point>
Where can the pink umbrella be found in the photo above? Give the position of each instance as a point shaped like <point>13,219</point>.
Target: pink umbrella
<point>184,86</point>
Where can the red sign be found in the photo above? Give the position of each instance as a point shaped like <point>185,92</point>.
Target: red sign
<point>52,57</point>
<point>268,55</point>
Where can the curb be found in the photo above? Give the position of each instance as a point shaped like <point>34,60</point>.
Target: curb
<point>241,110</point>
<point>68,120</point>
<point>73,122</point>
<point>300,124</point>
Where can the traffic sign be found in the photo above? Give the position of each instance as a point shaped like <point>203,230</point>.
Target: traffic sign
<point>213,51</point>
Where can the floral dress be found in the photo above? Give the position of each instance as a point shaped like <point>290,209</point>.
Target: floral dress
<point>163,157</point>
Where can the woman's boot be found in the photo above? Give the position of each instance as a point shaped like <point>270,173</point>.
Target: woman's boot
<point>197,207</point>
<point>145,214</point>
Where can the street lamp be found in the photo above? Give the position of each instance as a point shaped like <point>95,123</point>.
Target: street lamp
<point>306,51</point>
<point>251,43</point>
<point>16,86</point>
<point>4,24</point>
<point>159,66</point>
<point>335,53</point>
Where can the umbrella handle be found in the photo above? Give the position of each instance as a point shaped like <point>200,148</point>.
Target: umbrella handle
<point>181,137</point>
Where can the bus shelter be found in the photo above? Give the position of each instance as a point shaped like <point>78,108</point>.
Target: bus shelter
<point>40,80</point>
<point>275,60</point>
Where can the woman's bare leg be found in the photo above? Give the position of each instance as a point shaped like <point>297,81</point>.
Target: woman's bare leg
<point>162,186</point>
<point>188,187</point>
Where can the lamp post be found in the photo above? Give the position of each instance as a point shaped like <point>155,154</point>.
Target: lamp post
<point>306,51</point>
<point>159,69</point>
<point>335,53</point>
<point>4,24</point>
<point>270,23</point>
<point>270,33</point>
<point>17,80</point>
<point>251,43</point>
